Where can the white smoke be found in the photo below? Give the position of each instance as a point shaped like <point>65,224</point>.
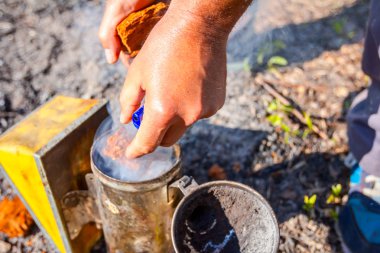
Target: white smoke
<point>111,135</point>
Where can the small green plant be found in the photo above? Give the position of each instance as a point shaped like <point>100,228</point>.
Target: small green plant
<point>269,48</point>
<point>334,214</point>
<point>278,118</point>
<point>335,195</point>
<point>260,57</point>
<point>276,105</point>
<point>277,61</point>
<point>308,121</point>
<point>336,190</point>
<point>338,26</point>
<point>309,203</point>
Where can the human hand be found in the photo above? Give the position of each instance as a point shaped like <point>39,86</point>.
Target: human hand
<point>181,72</point>
<point>115,12</point>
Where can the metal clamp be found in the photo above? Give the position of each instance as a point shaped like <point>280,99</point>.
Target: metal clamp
<point>186,185</point>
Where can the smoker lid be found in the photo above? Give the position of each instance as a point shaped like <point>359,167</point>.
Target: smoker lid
<point>224,217</point>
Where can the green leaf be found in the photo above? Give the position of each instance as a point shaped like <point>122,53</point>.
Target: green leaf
<point>308,121</point>
<point>286,138</point>
<point>263,51</point>
<point>334,214</point>
<point>275,119</point>
<point>274,71</point>
<point>330,199</point>
<point>309,203</point>
<point>287,108</point>
<point>338,26</point>
<point>285,127</point>
<point>272,106</point>
<point>306,199</point>
<point>277,61</point>
<point>313,199</point>
<point>336,190</point>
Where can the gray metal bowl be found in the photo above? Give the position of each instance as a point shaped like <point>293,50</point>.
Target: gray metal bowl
<point>224,217</point>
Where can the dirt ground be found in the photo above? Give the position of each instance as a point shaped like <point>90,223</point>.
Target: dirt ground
<point>284,151</point>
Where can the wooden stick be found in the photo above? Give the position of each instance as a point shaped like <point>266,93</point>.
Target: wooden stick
<point>8,114</point>
<point>294,85</point>
<point>299,115</point>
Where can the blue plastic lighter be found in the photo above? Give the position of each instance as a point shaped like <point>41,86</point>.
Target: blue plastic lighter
<point>137,117</point>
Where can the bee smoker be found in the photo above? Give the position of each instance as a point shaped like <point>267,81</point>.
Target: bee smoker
<point>136,216</point>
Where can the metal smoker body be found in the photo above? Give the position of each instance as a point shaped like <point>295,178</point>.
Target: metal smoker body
<point>136,217</point>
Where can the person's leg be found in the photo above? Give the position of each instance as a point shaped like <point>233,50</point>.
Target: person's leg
<point>363,123</point>
<point>359,219</point>
<point>363,120</point>
<point>364,141</point>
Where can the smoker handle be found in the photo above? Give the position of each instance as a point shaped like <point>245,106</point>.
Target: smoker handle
<point>185,184</point>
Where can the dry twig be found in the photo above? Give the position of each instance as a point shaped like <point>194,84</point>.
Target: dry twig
<point>294,111</point>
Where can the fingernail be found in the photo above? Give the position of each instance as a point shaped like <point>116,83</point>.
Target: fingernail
<point>110,57</point>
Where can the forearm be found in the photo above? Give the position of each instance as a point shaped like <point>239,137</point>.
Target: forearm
<point>212,15</point>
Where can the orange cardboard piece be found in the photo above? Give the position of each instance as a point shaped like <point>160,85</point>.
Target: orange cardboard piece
<point>15,219</point>
<point>134,29</point>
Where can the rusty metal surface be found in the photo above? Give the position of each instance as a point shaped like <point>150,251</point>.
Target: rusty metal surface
<point>79,208</point>
<point>136,217</point>
<point>63,164</point>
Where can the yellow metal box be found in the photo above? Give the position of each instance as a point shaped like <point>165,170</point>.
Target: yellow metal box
<point>47,155</point>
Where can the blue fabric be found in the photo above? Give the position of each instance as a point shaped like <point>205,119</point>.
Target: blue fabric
<point>359,224</point>
<point>356,175</point>
<point>367,220</point>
